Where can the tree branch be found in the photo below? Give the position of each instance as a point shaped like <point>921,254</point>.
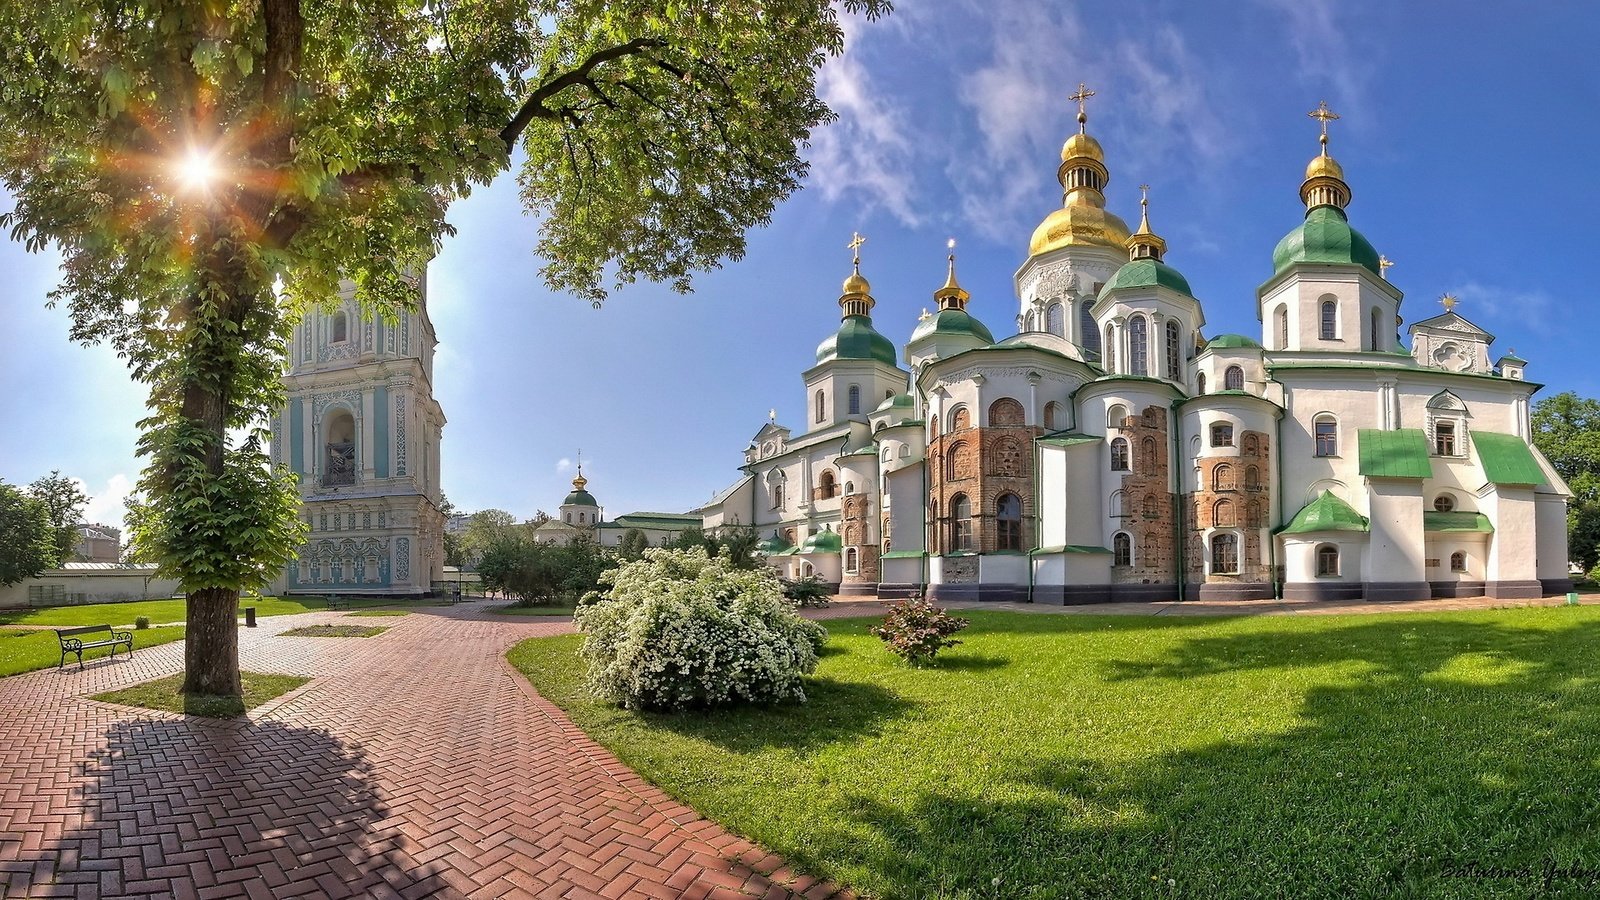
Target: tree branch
<point>534,107</point>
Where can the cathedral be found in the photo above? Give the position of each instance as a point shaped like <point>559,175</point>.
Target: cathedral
<point>1109,451</point>
<point>361,430</point>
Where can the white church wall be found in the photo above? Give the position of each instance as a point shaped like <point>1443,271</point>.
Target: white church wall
<point>1396,543</point>
<point>58,587</point>
<point>1300,557</point>
<point>1550,520</point>
<point>1512,510</point>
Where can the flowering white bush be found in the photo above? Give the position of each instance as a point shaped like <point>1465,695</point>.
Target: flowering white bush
<point>679,629</point>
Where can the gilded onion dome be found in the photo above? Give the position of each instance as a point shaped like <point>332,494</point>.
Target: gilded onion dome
<point>1082,220</point>
<point>580,496</point>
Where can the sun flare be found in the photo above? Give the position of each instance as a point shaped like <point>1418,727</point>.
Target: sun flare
<point>196,171</point>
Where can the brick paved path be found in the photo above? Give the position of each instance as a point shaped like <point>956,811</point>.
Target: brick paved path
<point>416,763</point>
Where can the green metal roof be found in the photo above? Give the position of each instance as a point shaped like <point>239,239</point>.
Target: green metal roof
<point>1324,237</point>
<point>1147,273</point>
<point>1402,453</point>
<point>1326,513</point>
<point>773,545</point>
<point>823,542</point>
<point>1231,342</point>
<point>1067,439</point>
<point>900,400</point>
<point>857,339</point>
<point>952,321</point>
<point>1072,548</point>
<point>904,554</point>
<point>579,498</point>
<point>1513,358</point>
<point>1456,521</point>
<point>659,520</point>
<point>1506,459</point>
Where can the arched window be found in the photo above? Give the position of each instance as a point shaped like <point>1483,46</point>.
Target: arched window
<point>1028,323</point>
<point>1115,507</point>
<point>1330,320</point>
<point>851,560</point>
<point>1326,432</point>
<point>1138,346</point>
<point>580,519</point>
<point>1052,416</point>
<point>1108,351</point>
<point>1327,561</point>
<point>822,401</point>
<point>905,451</point>
<point>1458,561</point>
<point>1282,318</point>
<point>339,460</point>
<point>1087,328</point>
<point>1233,379</point>
<point>1444,503</point>
<point>341,327</point>
<point>1115,415</point>
<point>1152,507</point>
<point>952,466</point>
<point>1223,514</point>
<point>1444,438</point>
<point>1147,455</point>
<point>1174,352</point>
<point>1222,435</point>
<point>888,453</point>
<point>569,518</point>
<point>777,496</point>
<point>1006,411</point>
<point>879,427</point>
<point>1222,478</point>
<point>1119,455</point>
<point>1224,554</point>
<point>1055,320</point>
<point>826,485</point>
<point>1376,318</point>
<point>1200,383</point>
<point>960,420</point>
<point>960,523</point>
<point>1251,446</point>
<point>1008,522</point>
<point>1252,478</point>
<point>855,399</point>
<point>1121,550</point>
<point>933,428</point>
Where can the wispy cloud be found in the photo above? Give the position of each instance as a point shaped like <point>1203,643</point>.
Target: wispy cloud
<point>865,153</point>
<point>1328,60</point>
<point>563,464</point>
<point>1531,310</point>
<point>1160,120</point>
<point>106,504</point>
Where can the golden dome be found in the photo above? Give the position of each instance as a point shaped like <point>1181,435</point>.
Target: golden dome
<point>1324,165</point>
<point>856,284</point>
<point>1079,224</point>
<point>1081,145</point>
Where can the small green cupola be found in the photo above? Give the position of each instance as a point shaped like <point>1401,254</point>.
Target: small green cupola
<point>952,320</point>
<point>579,496</point>
<point>1144,267</point>
<point>1325,236</point>
<point>856,338</point>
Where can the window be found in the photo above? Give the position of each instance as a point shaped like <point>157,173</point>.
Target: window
<point>1458,561</point>
<point>960,523</point>
<point>341,328</point>
<point>1222,478</point>
<point>1109,353</point>
<point>1444,438</point>
<point>1282,317</point>
<point>1121,550</point>
<point>1375,318</point>
<point>851,561</point>
<point>1006,411</point>
<point>855,399</point>
<point>1223,514</point>
<point>580,519</point>
<point>1327,561</point>
<point>777,496</point>
<point>1250,445</point>
<point>952,470</point>
<point>1330,320</point>
<point>849,487</point>
<point>1152,507</point>
<point>1222,435</point>
<point>888,454</point>
<point>1252,479</point>
<point>1116,505</point>
<point>1147,455</point>
<point>1444,503</point>
<point>1224,554</point>
<point>1174,353</point>
<point>1055,320</point>
<point>1200,383</point>
<point>1138,346</point>
<point>1327,436</point>
<point>826,485</point>
<point>1119,455</point>
<point>1233,379</point>
<point>339,461</point>
<point>933,428</point>
<point>960,420</point>
<point>1052,416</point>
<point>1086,327</point>
<point>821,403</point>
<point>569,518</point>
<point>1115,415</point>
<point>1028,324</point>
<point>1008,522</point>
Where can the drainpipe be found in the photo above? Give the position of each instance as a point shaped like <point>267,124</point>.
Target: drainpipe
<point>1178,543</point>
<point>1272,543</point>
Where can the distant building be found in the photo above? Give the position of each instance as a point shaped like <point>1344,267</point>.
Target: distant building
<point>98,544</point>
<point>581,513</point>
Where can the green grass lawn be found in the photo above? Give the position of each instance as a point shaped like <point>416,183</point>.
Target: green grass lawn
<point>25,651</point>
<point>163,694</point>
<point>1438,755</point>
<point>553,609</point>
<point>161,611</point>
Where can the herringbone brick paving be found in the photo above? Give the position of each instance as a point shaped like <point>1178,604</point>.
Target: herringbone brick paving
<point>417,763</point>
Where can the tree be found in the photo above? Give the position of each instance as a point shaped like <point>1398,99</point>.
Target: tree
<point>209,170</point>
<point>1566,429</point>
<point>64,503</point>
<point>633,544</point>
<point>484,529</point>
<point>27,537</point>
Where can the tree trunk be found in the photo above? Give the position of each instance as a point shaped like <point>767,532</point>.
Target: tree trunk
<point>211,643</point>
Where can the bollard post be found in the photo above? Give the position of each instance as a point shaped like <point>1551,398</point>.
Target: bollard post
<point>1572,598</point>
<point>249,617</point>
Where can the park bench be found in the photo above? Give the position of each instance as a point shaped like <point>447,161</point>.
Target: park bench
<point>72,641</point>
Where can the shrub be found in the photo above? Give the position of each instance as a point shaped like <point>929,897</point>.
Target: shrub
<point>679,629</point>
<point>916,630</point>
<point>807,590</point>
<point>141,622</point>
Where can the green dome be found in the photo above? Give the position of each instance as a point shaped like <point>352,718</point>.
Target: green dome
<point>1148,273</point>
<point>579,498</point>
<point>773,545</point>
<point>823,542</point>
<point>1324,237</point>
<point>1231,342</point>
<point>856,339</point>
<point>901,400</point>
<point>1326,513</point>
<point>952,321</point>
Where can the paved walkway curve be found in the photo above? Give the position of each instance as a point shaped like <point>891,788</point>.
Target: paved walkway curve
<point>417,763</point>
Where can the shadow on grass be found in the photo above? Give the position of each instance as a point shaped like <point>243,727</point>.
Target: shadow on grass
<point>834,711</point>
<point>1438,758</point>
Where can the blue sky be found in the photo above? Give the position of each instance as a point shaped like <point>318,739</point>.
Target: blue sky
<point>1468,135</point>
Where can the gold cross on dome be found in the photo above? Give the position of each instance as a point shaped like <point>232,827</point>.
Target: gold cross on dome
<point>1323,115</point>
<point>925,314</point>
<point>856,240</point>
<point>1144,195</point>
<point>1080,97</point>
<point>1449,301</point>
